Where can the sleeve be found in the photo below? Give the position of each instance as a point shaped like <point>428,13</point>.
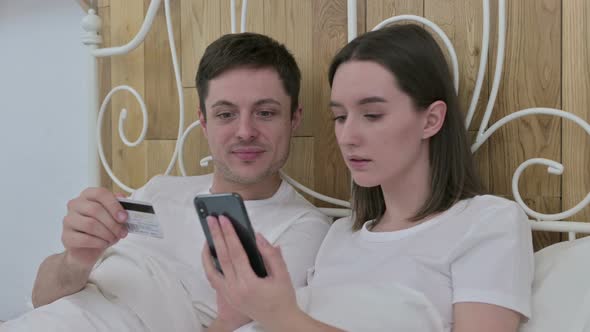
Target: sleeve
<point>494,263</point>
<point>299,245</point>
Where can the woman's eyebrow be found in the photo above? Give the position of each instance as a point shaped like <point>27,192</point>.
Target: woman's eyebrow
<point>370,100</point>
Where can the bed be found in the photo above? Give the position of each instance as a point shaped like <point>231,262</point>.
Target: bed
<point>561,300</point>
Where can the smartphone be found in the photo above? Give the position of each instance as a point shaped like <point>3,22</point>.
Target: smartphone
<point>232,206</point>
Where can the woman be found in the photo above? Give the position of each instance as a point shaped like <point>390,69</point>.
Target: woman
<point>419,218</point>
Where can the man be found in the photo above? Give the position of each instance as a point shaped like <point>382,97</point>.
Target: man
<point>248,85</point>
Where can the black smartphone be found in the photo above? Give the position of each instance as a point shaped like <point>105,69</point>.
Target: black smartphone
<point>232,206</point>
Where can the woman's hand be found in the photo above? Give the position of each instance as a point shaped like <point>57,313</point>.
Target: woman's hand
<point>270,301</point>
<point>228,318</point>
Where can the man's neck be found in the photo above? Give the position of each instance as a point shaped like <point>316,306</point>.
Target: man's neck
<point>261,190</point>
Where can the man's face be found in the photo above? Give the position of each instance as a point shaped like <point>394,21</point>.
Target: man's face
<point>249,124</point>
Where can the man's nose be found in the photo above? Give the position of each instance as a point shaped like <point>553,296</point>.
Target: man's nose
<point>247,129</point>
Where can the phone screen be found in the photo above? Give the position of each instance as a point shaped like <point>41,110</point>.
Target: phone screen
<point>232,206</point>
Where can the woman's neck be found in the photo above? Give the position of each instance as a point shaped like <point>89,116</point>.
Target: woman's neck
<point>404,196</point>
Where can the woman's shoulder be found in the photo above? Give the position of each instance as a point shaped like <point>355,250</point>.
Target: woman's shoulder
<point>491,206</point>
<point>489,213</point>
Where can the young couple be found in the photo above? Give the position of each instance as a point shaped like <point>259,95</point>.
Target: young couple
<point>424,248</point>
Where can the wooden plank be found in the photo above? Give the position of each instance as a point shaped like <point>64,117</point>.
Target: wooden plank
<point>329,35</point>
<point>254,19</point>
<point>300,165</point>
<point>531,78</point>
<point>103,3</point>
<point>161,94</point>
<point>195,147</point>
<point>462,21</point>
<point>298,26</point>
<point>379,10</point>
<point>200,24</point>
<point>576,100</point>
<point>104,81</point>
<point>129,164</point>
<point>482,160</point>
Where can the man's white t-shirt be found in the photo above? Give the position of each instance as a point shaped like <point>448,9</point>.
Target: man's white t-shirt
<point>285,219</point>
<point>480,250</point>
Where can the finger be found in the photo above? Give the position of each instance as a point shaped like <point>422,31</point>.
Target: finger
<point>273,258</point>
<point>75,240</point>
<point>108,200</point>
<point>214,277</point>
<point>89,226</point>
<point>223,256</point>
<point>120,195</point>
<point>235,249</point>
<point>95,210</point>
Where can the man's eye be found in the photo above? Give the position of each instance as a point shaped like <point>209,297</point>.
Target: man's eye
<point>265,114</point>
<point>224,115</point>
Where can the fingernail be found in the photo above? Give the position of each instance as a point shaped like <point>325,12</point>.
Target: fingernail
<point>123,233</point>
<point>121,216</point>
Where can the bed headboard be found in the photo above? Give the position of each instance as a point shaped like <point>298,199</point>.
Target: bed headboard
<point>557,222</point>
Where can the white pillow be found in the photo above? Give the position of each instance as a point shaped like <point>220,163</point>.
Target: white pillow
<point>561,288</point>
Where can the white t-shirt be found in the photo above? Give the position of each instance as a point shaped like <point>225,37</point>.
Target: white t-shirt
<point>285,219</point>
<point>480,250</point>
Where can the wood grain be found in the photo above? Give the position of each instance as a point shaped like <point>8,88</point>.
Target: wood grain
<point>200,25</point>
<point>104,81</point>
<point>531,78</point>
<point>128,163</point>
<point>161,94</point>
<point>329,36</point>
<point>576,100</point>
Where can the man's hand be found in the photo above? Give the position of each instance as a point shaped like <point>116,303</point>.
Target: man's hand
<point>94,222</point>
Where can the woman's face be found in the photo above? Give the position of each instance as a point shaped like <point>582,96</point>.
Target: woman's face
<point>378,129</point>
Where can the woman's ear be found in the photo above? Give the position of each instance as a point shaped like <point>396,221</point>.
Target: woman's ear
<point>435,117</point>
<point>203,122</point>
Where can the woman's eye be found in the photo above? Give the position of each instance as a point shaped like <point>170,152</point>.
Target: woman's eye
<point>339,118</point>
<point>373,116</point>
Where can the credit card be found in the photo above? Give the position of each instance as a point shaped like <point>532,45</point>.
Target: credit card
<point>142,218</point>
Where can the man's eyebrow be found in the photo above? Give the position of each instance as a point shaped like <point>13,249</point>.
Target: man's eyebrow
<point>267,101</point>
<point>370,100</point>
<point>222,103</point>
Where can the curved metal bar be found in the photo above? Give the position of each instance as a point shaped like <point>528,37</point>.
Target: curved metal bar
<point>529,111</point>
<point>139,37</point>
<point>312,193</point>
<point>483,61</point>
<point>244,12</point>
<point>553,167</point>
<point>352,19</point>
<point>176,68</point>
<point>122,118</point>
<point>180,146</point>
<point>438,31</point>
<point>499,65</point>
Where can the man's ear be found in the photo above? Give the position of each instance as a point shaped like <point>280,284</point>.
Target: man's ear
<point>203,122</point>
<point>434,118</point>
<point>296,118</point>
